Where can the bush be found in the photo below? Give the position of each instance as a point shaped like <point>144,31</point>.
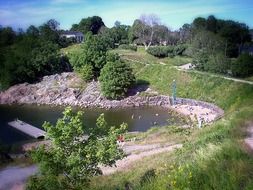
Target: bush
<point>86,72</point>
<point>243,66</point>
<point>128,47</point>
<point>112,57</point>
<point>116,78</point>
<point>93,52</point>
<point>200,59</point>
<point>179,49</point>
<point>160,51</point>
<point>166,51</point>
<point>218,63</point>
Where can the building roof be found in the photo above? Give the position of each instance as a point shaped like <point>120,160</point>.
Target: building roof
<point>72,33</point>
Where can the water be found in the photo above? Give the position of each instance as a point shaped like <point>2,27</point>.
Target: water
<point>138,119</point>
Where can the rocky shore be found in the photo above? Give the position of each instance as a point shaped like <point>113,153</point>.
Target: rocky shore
<point>69,89</point>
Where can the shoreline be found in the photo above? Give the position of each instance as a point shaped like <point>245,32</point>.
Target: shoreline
<point>65,90</point>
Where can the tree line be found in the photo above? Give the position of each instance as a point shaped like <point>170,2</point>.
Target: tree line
<point>26,56</point>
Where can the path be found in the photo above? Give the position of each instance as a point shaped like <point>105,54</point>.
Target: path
<point>249,139</point>
<point>188,68</point>
<point>181,68</point>
<point>14,178</point>
<point>125,163</point>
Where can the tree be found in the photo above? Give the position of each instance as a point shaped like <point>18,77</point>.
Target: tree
<point>90,24</point>
<point>28,60</point>
<point>53,24</point>
<point>185,33</point>
<point>49,34</point>
<point>74,157</point>
<point>144,29</point>
<point>33,31</point>
<point>93,52</point>
<point>116,78</point>
<point>243,66</point>
<point>211,24</point>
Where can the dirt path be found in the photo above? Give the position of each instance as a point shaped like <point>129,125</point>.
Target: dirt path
<point>14,178</point>
<point>186,69</point>
<point>249,139</point>
<point>128,161</point>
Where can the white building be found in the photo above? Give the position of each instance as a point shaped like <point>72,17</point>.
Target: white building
<point>78,36</point>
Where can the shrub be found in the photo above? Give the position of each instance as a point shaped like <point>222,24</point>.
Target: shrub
<point>93,52</point>
<point>86,72</point>
<point>128,47</point>
<point>112,57</point>
<point>160,51</point>
<point>179,49</point>
<point>116,78</point>
<point>200,59</point>
<point>243,66</point>
<point>166,51</point>
<point>217,63</point>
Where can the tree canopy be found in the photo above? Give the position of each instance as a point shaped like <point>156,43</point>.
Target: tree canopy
<point>89,24</point>
<point>73,158</point>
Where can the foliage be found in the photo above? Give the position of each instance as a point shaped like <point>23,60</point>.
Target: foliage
<point>160,51</point>
<point>93,52</point>
<point>116,78</point>
<point>28,60</point>
<point>235,34</point>
<point>86,72</point>
<point>165,51</point>
<point>243,66</point>
<point>126,46</point>
<point>89,24</point>
<point>72,157</point>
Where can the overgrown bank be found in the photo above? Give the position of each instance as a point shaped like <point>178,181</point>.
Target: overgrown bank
<point>211,158</point>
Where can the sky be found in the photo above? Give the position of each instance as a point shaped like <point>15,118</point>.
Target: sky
<point>173,13</point>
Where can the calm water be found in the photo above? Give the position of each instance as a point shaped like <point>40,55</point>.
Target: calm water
<point>138,119</point>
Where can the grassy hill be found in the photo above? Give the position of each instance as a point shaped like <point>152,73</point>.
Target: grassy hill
<point>211,158</point>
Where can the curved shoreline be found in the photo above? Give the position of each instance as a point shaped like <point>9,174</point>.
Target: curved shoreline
<point>58,90</point>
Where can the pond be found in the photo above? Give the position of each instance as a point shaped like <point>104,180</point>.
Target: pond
<point>138,119</point>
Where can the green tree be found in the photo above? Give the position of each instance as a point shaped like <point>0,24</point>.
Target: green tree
<point>72,158</point>
<point>93,52</point>
<point>28,60</point>
<point>243,66</point>
<point>116,78</point>
<point>90,24</point>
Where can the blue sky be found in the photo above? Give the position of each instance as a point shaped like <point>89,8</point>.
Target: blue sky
<point>173,13</point>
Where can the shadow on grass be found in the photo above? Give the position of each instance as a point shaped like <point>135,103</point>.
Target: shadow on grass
<point>140,86</point>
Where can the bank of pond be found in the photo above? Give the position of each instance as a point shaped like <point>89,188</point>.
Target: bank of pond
<point>138,119</point>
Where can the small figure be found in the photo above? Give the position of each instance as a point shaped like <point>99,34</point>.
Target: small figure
<point>199,122</point>
<point>121,140</point>
<point>174,91</point>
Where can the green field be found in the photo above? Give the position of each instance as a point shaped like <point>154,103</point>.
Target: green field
<point>211,158</point>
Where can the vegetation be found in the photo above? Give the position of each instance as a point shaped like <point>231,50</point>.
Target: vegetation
<point>93,53</point>
<point>72,158</point>
<point>25,57</point>
<point>130,47</point>
<point>206,152</point>
<point>116,78</point>
<point>165,51</point>
<point>243,66</point>
<point>215,46</point>
<point>90,24</point>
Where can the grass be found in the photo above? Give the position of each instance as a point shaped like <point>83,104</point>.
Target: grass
<point>211,158</point>
<point>71,49</point>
